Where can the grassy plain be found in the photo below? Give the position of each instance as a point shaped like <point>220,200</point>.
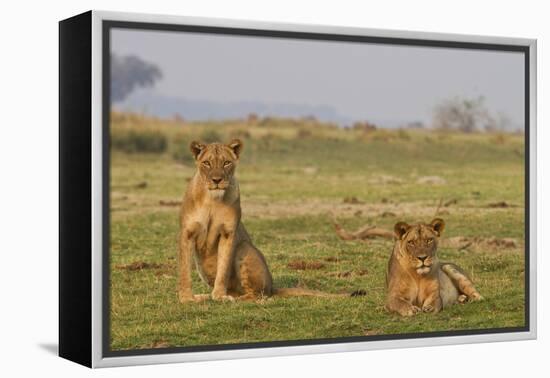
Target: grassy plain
<point>294,176</point>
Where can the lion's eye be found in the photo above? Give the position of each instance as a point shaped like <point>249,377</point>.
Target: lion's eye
<point>206,164</point>
<point>227,164</point>
<point>410,242</point>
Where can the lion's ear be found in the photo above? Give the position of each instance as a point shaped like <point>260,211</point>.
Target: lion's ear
<point>237,146</point>
<point>438,225</point>
<point>400,229</point>
<point>196,148</point>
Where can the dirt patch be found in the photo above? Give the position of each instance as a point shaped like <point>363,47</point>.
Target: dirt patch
<point>371,332</point>
<point>332,259</point>
<point>139,185</point>
<point>431,180</point>
<point>266,209</point>
<point>476,244</point>
<point>385,180</point>
<point>271,210</point>
<point>349,208</point>
<point>500,205</point>
<point>305,265</point>
<point>159,344</point>
<point>352,201</point>
<point>310,170</point>
<point>169,203</point>
<point>345,274</point>
<point>502,243</point>
<point>117,209</point>
<point>350,273</point>
<point>139,265</point>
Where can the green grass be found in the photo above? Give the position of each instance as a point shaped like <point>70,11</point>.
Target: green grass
<point>290,183</point>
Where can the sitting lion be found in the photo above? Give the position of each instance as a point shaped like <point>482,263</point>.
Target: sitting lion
<point>416,280</point>
<point>212,233</point>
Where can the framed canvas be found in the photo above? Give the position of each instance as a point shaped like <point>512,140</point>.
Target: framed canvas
<point>234,189</point>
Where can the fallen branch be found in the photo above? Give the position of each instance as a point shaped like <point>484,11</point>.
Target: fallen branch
<point>367,232</point>
<point>438,206</point>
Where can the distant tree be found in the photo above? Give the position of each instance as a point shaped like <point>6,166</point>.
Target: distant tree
<point>252,118</point>
<point>466,115</point>
<point>504,121</point>
<point>130,72</point>
<point>365,126</point>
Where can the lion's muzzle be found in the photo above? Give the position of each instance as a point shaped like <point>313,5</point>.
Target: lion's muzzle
<point>424,264</point>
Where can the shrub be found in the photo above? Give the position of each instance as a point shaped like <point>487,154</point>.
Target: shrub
<point>465,114</point>
<point>266,121</point>
<point>210,136</point>
<point>252,118</point>
<point>402,134</point>
<point>366,126</point>
<point>499,138</point>
<point>132,141</point>
<point>180,149</point>
<point>382,135</point>
<point>303,133</point>
<point>240,134</point>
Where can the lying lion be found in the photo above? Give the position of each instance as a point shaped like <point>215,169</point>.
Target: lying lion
<point>212,233</point>
<point>416,280</point>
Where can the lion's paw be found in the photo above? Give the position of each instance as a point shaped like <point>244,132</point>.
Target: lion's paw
<point>186,298</point>
<point>223,298</point>
<point>428,308</point>
<point>476,297</point>
<point>201,297</point>
<point>411,311</point>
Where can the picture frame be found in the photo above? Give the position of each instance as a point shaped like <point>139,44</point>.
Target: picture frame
<point>85,188</point>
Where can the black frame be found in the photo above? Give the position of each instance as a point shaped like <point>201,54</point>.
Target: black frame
<point>75,189</point>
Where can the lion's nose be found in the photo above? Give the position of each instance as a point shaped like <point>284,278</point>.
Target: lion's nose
<point>216,180</point>
<point>422,258</point>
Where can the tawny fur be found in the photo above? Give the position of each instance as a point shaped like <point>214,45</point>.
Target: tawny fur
<point>416,280</point>
<point>211,233</point>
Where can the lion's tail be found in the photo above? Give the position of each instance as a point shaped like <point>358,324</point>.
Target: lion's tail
<point>298,292</point>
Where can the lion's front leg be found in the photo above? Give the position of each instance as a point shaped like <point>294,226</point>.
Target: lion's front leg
<point>433,302</point>
<point>187,246</point>
<point>401,306</point>
<point>225,264</point>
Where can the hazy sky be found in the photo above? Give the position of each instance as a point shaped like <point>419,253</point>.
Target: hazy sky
<point>360,81</point>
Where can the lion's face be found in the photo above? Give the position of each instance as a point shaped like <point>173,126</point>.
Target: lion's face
<point>418,243</point>
<point>216,163</point>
